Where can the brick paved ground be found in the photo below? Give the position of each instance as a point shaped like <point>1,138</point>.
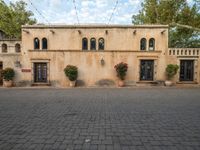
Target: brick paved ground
<point>102,119</point>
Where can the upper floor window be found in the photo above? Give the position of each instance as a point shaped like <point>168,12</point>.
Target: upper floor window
<point>101,44</point>
<point>36,43</point>
<point>17,48</point>
<point>93,44</point>
<point>4,48</point>
<point>143,42</point>
<point>84,44</point>
<point>152,44</point>
<point>44,43</point>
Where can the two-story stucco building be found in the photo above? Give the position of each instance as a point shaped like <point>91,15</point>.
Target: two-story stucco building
<point>96,49</point>
<point>10,55</point>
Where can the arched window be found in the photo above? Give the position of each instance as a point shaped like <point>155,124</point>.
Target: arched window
<point>17,48</point>
<point>152,44</point>
<point>93,44</point>
<point>101,44</point>
<point>4,48</point>
<point>44,43</point>
<point>36,43</point>
<point>143,42</point>
<point>84,44</point>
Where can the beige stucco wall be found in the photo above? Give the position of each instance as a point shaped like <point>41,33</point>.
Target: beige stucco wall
<point>90,68</point>
<point>116,37</point>
<point>175,55</point>
<point>122,43</point>
<point>10,58</point>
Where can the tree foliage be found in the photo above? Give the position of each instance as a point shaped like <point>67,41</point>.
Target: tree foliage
<point>182,18</point>
<point>13,16</point>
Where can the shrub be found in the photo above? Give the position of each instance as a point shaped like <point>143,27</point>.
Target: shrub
<point>71,72</point>
<point>171,70</point>
<point>121,70</point>
<point>8,74</point>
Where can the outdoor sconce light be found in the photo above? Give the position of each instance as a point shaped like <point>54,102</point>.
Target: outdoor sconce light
<point>134,32</point>
<point>17,64</point>
<point>163,31</point>
<point>79,31</point>
<point>52,31</point>
<point>106,31</point>
<point>102,62</point>
<point>26,31</point>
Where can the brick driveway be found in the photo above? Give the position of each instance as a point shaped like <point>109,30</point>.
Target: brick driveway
<point>111,119</point>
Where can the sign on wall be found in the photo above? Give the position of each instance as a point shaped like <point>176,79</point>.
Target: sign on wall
<point>26,70</point>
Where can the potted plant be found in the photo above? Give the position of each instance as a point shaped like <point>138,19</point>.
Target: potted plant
<point>72,73</point>
<point>121,70</point>
<point>171,71</point>
<point>8,75</point>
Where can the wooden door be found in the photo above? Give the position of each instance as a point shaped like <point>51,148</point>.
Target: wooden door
<point>40,72</point>
<point>146,70</point>
<point>187,70</point>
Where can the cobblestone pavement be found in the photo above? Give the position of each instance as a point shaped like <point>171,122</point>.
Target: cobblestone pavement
<point>100,119</point>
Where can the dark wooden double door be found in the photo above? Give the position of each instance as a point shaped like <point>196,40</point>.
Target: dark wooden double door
<point>186,70</point>
<point>40,72</point>
<point>146,70</point>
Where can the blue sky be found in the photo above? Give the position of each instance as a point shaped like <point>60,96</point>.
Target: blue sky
<point>89,11</point>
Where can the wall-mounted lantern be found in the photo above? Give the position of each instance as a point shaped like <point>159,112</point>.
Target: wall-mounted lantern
<point>102,61</point>
<point>17,64</point>
<point>106,31</point>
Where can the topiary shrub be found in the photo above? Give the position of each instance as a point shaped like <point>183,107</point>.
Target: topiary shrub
<point>71,72</point>
<point>171,70</point>
<point>121,70</point>
<point>8,74</point>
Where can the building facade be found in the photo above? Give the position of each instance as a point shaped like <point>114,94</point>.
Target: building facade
<point>95,50</point>
<point>10,56</point>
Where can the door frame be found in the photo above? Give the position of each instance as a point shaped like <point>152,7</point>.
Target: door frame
<point>193,70</point>
<point>48,71</point>
<point>43,71</point>
<point>152,69</point>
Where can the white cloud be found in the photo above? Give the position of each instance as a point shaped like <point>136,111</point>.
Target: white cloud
<point>89,11</point>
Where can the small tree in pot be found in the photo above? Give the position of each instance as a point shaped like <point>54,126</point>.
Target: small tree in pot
<point>121,70</point>
<point>72,73</point>
<point>171,71</point>
<point>8,75</point>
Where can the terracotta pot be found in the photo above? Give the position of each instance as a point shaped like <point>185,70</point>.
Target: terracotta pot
<point>121,83</point>
<point>168,83</point>
<point>8,83</point>
<point>72,83</point>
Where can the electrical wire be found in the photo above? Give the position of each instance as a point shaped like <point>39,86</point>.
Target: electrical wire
<point>74,2</point>
<point>38,11</point>
<point>115,7</point>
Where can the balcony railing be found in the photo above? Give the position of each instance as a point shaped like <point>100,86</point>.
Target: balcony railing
<point>183,51</point>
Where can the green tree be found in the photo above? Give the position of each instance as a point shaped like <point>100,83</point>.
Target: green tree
<point>13,16</point>
<point>183,20</point>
